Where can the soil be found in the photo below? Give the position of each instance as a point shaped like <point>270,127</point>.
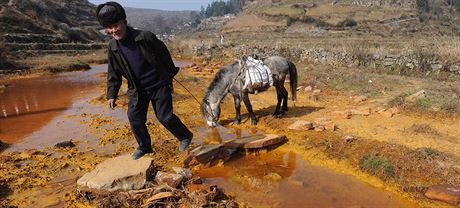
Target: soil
<point>416,149</point>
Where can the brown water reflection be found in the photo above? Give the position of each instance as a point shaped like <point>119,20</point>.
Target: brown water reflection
<point>281,178</point>
<point>28,104</point>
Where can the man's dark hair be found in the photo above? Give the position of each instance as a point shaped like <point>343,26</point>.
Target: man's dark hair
<point>110,13</point>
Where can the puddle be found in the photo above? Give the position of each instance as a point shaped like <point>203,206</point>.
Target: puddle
<point>282,179</point>
<point>42,111</point>
<point>29,104</point>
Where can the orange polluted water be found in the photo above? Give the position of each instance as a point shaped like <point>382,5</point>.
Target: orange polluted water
<point>28,104</point>
<point>283,179</point>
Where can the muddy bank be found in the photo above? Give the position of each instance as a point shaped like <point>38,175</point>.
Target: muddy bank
<point>28,173</point>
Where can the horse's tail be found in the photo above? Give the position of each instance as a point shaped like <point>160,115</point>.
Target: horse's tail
<point>293,80</point>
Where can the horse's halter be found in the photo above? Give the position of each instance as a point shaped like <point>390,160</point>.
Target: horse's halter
<point>211,111</point>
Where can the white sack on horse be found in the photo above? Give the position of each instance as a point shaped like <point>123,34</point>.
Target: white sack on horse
<point>257,76</point>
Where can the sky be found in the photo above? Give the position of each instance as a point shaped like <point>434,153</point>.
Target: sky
<point>161,4</point>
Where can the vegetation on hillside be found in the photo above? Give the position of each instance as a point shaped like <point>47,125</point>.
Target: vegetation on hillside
<point>3,51</point>
<point>220,8</point>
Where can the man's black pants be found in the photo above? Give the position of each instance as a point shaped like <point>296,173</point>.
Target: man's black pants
<point>161,99</point>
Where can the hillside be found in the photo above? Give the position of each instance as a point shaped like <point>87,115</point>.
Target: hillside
<point>355,17</point>
<point>157,21</point>
<point>49,25</point>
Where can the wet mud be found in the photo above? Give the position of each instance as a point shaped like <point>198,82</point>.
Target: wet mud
<point>312,169</point>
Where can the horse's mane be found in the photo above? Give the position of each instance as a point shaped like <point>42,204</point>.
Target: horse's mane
<point>218,77</point>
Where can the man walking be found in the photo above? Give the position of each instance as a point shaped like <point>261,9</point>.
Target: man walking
<point>141,58</point>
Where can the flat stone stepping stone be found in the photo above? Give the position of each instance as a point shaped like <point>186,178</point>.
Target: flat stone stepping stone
<point>270,139</point>
<point>205,153</point>
<point>119,173</point>
<point>239,143</point>
<point>445,193</point>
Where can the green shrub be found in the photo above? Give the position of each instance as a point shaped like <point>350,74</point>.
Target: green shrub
<point>423,103</point>
<point>377,165</point>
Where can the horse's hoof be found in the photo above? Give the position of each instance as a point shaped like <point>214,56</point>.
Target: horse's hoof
<point>254,122</point>
<point>236,121</point>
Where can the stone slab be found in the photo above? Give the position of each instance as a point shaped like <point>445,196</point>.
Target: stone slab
<point>445,193</point>
<point>119,173</point>
<point>169,179</point>
<point>239,143</point>
<point>207,152</point>
<point>301,125</point>
<point>270,139</point>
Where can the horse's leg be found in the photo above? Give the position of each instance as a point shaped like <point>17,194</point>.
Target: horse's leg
<point>248,105</point>
<point>279,98</point>
<point>237,100</point>
<point>284,93</point>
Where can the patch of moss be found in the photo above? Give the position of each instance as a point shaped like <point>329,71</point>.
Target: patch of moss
<point>377,165</point>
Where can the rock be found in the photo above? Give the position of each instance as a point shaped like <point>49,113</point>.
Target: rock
<point>313,98</point>
<point>418,95</point>
<point>308,89</point>
<point>445,193</point>
<point>359,99</point>
<point>273,177</point>
<point>169,179</point>
<point>270,139</point>
<point>330,126</point>
<point>348,138</point>
<point>362,112</point>
<point>387,113</point>
<point>301,125</point>
<point>119,173</point>
<point>320,128</point>
<point>187,173</point>
<point>410,66</point>
<point>394,110</point>
<point>205,153</point>
<point>322,124</point>
<point>454,68</point>
<point>299,88</point>
<point>28,153</point>
<point>239,143</point>
<point>316,91</point>
<point>436,67</point>
<point>342,114</point>
<point>65,144</point>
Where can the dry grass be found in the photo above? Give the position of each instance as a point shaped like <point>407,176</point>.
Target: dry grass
<point>425,129</point>
<point>65,62</point>
<point>283,11</point>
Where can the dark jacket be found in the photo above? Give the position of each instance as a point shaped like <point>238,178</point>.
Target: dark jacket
<point>153,50</point>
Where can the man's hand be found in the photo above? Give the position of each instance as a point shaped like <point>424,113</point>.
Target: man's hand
<point>112,103</point>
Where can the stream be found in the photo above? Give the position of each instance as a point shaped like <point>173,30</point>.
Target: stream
<point>40,111</point>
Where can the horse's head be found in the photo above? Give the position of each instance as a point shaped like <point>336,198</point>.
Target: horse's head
<point>211,112</point>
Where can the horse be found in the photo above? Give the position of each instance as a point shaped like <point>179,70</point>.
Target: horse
<point>228,80</point>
